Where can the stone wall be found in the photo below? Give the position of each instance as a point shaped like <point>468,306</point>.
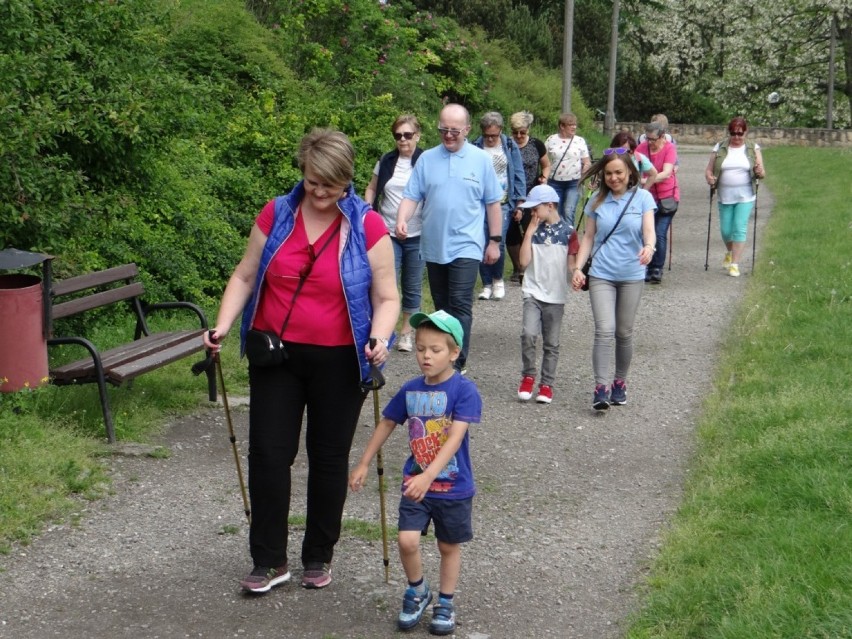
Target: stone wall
<point>709,134</point>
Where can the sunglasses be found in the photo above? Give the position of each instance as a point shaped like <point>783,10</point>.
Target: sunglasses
<point>736,134</point>
<point>405,134</point>
<point>520,131</point>
<point>453,133</point>
<point>619,150</point>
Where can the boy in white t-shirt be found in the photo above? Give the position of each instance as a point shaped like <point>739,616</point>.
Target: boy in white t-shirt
<point>548,254</point>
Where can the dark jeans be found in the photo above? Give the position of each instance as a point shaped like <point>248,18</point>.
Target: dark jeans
<point>325,380</point>
<point>452,291</point>
<point>661,226</point>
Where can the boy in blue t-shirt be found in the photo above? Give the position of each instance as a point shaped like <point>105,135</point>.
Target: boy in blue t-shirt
<point>438,483</point>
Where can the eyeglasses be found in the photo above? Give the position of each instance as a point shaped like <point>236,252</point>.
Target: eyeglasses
<point>736,134</point>
<point>491,136</point>
<point>453,133</point>
<point>520,131</point>
<point>619,150</point>
<point>405,134</point>
<point>650,139</point>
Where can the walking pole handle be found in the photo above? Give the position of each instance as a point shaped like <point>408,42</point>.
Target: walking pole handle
<point>376,379</point>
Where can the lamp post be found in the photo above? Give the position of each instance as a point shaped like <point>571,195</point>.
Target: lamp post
<point>568,56</point>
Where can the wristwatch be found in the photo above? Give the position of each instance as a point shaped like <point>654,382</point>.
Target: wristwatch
<point>495,238</point>
<point>383,340</point>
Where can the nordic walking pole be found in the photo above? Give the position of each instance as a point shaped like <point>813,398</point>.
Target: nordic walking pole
<point>709,217</point>
<point>213,359</point>
<point>377,380</point>
<point>671,243</point>
<point>754,232</point>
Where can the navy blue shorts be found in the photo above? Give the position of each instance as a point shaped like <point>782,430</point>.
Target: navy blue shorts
<point>452,517</point>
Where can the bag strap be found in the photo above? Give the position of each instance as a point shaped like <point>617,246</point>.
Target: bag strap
<point>304,276</point>
<point>556,166</point>
<point>612,230</point>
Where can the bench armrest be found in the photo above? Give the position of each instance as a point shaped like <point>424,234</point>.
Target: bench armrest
<point>149,309</point>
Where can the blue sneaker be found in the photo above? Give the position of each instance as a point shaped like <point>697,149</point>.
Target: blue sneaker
<point>601,400</point>
<point>443,618</point>
<point>618,396</point>
<point>413,606</point>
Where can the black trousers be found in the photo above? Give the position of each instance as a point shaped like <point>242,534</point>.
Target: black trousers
<point>325,381</point>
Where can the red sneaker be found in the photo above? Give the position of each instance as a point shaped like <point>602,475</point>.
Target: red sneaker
<point>526,388</point>
<point>545,394</point>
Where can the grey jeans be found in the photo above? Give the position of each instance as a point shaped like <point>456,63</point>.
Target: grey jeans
<point>614,306</point>
<point>541,318</point>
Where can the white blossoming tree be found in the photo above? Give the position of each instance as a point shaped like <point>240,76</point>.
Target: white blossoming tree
<point>738,52</point>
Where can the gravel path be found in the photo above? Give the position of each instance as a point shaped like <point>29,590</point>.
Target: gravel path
<point>570,510</point>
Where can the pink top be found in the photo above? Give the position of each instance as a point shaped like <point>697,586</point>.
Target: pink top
<point>319,315</point>
<point>667,155</point>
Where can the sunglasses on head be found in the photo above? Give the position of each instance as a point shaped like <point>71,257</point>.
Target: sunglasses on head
<point>619,150</point>
<point>405,134</point>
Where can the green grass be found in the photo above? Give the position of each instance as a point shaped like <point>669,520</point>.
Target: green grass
<point>762,545</point>
<point>51,438</point>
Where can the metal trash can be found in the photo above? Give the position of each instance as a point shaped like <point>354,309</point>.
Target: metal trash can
<point>23,330</point>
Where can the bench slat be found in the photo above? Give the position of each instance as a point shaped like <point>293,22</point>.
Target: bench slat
<point>187,342</point>
<point>95,300</point>
<point>91,280</point>
<point>137,367</point>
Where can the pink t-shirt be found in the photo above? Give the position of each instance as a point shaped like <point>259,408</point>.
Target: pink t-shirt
<point>667,155</point>
<point>319,314</point>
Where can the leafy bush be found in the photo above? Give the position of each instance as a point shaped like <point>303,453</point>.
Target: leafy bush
<point>155,131</point>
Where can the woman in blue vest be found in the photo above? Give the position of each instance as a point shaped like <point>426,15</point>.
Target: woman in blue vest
<point>318,276</point>
<point>733,170</point>
<point>384,193</point>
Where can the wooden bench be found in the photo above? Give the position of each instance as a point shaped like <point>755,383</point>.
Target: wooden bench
<point>147,351</point>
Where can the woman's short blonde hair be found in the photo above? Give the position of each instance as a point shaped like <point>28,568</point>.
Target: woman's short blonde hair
<point>567,118</point>
<point>329,155</point>
<point>521,120</point>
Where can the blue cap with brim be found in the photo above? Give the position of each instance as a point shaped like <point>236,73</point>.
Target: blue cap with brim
<point>443,320</point>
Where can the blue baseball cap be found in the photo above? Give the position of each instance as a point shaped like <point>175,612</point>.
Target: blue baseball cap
<point>443,320</point>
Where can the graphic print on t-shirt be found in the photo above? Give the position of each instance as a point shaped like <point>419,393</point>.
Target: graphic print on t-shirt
<point>427,432</point>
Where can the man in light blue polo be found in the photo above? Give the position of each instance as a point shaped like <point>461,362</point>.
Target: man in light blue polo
<point>459,189</point>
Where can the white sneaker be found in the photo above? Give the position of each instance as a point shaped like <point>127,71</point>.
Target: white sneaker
<point>406,342</point>
<point>486,293</point>
<point>499,290</point>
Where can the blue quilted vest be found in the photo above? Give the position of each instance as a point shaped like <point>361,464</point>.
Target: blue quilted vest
<point>355,272</point>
